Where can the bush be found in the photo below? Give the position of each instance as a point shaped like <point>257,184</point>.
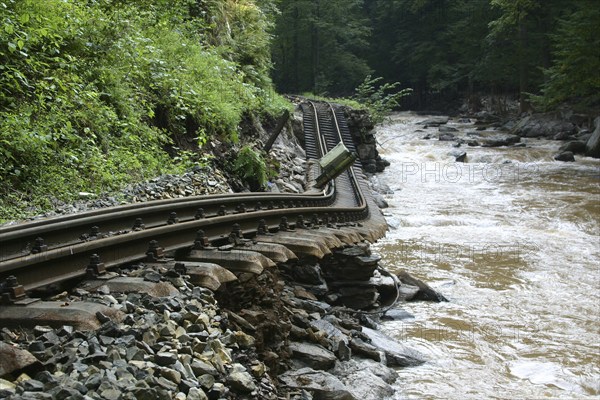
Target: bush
<point>379,99</point>
<point>250,166</point>
<point>98,94</point>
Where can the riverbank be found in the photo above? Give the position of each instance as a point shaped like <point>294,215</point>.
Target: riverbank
<point>265,336</point>
<point>301,329</point>
<point>291,331</point>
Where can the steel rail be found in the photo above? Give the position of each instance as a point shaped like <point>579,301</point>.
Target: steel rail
<point>18,240</point>
<point>353,179</point>
<point>58,264</point>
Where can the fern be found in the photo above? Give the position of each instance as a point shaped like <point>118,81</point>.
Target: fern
<point>250,165</point>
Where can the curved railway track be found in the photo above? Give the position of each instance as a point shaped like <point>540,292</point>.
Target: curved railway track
<point>40,253</point>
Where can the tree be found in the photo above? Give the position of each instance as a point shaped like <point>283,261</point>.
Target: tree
<point>574,75</point>
<point>319,46</point>
<point>435,46</point>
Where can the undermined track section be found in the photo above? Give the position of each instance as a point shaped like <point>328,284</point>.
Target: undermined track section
<point>235,232</point>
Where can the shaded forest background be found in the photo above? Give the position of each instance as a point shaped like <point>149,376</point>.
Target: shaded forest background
<point>543,52</point>
<point>97,94</point>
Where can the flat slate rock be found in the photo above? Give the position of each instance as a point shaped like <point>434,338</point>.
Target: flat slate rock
<point>396,354</point>
<point>324,385</point>
<point>313,355</point>
<point>366,379</point>
<point>435,121</point>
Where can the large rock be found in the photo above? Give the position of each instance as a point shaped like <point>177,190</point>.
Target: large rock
<point>499,140</point>
<point>351,264</point>
<point>459,156</point>
<point>379,200</point>
<point>240,380</point>
<point>14,360</point>
<point>357,296</point>
<point>366,379</point>
<point>566,156</point>
<point>366,151</point>
<point>396,354</point>
<point>592,147</point>
<point>446,137</point>
<point>575,147</point>
<point>331,331</point>
<point>543,125</point>
<point>434,121</point>
<point>312,355</point>
<point>425,291</point>
<point>324,385</point>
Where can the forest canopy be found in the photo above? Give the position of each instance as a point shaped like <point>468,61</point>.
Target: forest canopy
<point>542,51</point>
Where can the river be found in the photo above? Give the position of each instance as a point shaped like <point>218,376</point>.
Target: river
<point>512,238</point>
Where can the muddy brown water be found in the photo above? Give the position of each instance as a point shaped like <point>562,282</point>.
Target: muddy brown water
<point>512,239</point>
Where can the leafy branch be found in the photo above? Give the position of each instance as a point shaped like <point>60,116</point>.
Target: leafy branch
<point>380,99</point>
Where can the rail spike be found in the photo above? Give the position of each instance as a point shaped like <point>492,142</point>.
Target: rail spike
<point>300,224</point>
<point>138,225</point>
<point>94,231</point>
<point>201,241</point>
<point>11,291</point>
<point>172,218</point>
<point>284,226</point>
<point>314,222</point>
<point>199,213</point>
<point>262,228</point>
<point>95,268</point>
<point>236,236</point>
<point>39,246</point>
<point>155,252</point>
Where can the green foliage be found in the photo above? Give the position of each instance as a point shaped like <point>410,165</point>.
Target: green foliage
<point>574,77</point>
<point>94,95</point>
<point>251,167</point>
<point>444,49</point>
<point>380,99</point>
<point>320,46</point>
<point>338,100</point>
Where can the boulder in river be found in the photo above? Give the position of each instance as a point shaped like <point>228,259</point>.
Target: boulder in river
<point>396,354</point>
<point>435,121</point>
<point>447,129</point>
<point>459,156</point>
<point>592,147</point>
<point>396,314</point>
<point>575,146</point>
<point>543,125</point>
<point>424,292</point>
<point>499,140</point>
<point>446,137</point>
<point>566,156</point>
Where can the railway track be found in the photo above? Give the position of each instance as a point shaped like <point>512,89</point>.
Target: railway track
<point>36,254</point>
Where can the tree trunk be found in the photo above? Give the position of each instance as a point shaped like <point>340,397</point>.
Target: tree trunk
<point>315,48</point>
<point>296,51</point>
<point>523,72</point>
